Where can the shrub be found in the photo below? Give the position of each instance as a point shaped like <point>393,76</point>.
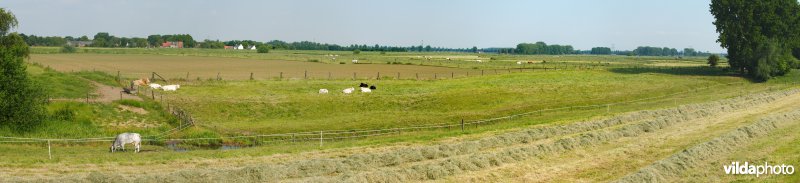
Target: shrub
<point>262,48</point>
<point>68,49</point>
<point>342,63</point>
<point>63,114</point>
<point>313,60</point>
<point>356,52</point>
<point>713,60</point>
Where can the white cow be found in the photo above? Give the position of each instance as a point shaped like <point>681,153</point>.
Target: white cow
<point>365,90</point>
<point>126,138</point>
<point>355,61</point>
<point>155,86</point>
<point>170,87</point>
<point>323,91</point>
<point>519,62</point>
<point>348,90</point>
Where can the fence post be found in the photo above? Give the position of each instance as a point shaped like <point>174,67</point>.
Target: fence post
<point>354,75</point>
<point>218,78</point>
<point>462,124</point>
<point>87,97</point>
<point>417,76</point>
<point>118,78</point>
<point>49,153</point>
<point>329,75</point>
<point>434,76</point>
<point>452,75</point>
<point>379,76</point>
<point>153,93</point>
<point>320,138</point>
<point>251,75</point>
<point>187,76</point>
<point>481,72</point>
<point>305,74</point>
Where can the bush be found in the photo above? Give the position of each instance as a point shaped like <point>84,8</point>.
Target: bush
<point>262,48</point>
<point>356,52</point>
<point>313,60</point>
<point>63,114</point>
<point>713,60</point>
<point>342,63</point>
<point>68,49</point>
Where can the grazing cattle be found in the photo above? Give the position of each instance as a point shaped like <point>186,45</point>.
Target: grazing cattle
<point>126,138</point>
<point>365,90</point>
<point>530,62</point>
<point>480,60</point>
<point>519,62</point>
<point>373,87</point>
<point>155,86</point>
<point>323,91</point>
<point>348,90</point>
<point>363,85</point>
<point>170,87</point>
<point>355,61</point>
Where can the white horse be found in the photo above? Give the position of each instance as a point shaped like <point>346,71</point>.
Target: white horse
<point>125,138</point>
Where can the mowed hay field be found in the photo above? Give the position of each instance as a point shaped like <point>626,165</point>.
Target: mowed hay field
<point>172,67</point>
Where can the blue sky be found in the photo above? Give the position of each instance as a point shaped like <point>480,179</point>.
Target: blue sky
<point>583,24</point>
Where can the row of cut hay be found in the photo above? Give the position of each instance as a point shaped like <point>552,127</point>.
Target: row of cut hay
<point>672,167</point>
<point>477,161</point>
<point>461,156</point>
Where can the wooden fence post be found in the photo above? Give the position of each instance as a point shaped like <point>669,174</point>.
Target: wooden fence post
<point>320,138</point>
<point>417,76</point>
<point>152,93</point>
<point>462,125</point>
<point>329,75</point>
<point>187,76</point>
<point>281,76</point>
<point>379,76</point>
<point>87,97</point>
<point>49,153</point>
<point>251,75</point>
<point>354,75</point>
<point>305,74</point>
<point>481,72</point>
<point>398,75</point>
<point>434,76</point>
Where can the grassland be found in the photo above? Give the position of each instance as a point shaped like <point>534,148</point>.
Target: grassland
<point>499,150</point>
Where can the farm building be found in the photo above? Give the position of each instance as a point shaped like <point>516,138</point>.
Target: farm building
<point>172,44</point>
<point>79,43</point>
<point>239,47</point>
<point>228,47</point>
<point>253,47</point>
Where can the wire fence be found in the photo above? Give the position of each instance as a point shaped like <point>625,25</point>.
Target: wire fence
<point>326,135</point>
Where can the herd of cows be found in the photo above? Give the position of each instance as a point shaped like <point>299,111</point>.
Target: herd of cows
<point>365,88</point>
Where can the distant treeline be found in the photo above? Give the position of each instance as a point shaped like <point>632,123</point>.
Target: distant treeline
<point>104,39</point>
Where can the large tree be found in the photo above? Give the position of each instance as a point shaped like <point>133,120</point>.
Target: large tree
<point>22,103</point>
<point>759,35</point>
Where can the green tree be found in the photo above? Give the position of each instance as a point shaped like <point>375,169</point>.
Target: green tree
<point>22,107</point>
<point>758,35</point>
<point>713,60</point>
<point>261,48</point>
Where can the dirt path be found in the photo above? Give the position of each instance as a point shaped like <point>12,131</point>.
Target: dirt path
<point>103,94</point>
